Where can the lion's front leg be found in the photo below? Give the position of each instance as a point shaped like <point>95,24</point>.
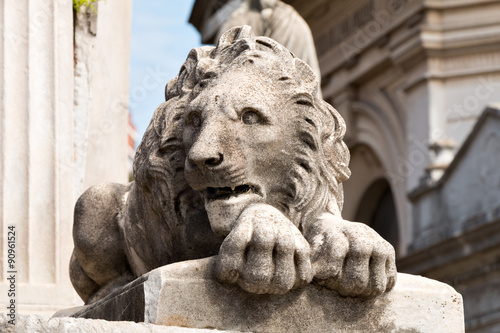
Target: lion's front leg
<point>350,257</point>
<point>264,253</point>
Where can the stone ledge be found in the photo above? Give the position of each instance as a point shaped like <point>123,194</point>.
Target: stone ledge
<point>185,294</point>
<point>40,324</point>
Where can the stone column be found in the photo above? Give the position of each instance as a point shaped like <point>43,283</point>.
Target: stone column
<point>36,193</point>
<point>42,169</point>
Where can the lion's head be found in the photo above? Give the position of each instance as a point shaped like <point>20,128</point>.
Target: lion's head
<point>243,124</point>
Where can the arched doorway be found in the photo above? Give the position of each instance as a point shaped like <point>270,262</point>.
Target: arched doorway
<point>377,209</point>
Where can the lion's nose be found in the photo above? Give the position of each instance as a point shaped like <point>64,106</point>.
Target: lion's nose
<point>205,157</point>
<point>214,161</point>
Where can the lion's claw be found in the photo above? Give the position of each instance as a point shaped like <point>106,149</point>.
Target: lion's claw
<point>264,253</point>
<point>351,258</point>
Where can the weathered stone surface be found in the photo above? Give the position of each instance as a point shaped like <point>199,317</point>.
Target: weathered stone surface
<point>39,324</point>
<point>246,160</point>
<point>186,294</point>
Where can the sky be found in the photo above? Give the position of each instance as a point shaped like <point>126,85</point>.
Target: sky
<point>161,40</point>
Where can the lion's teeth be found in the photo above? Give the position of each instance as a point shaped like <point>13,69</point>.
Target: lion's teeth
<point>232,188</point>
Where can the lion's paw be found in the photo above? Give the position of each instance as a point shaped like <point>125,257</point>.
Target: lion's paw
<point>264,253</point>
<point>352,258</point>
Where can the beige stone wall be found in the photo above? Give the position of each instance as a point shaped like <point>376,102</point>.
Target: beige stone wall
<point>40,177</point>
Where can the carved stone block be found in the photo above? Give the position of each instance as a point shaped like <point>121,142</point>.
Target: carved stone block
<point>186,294</point>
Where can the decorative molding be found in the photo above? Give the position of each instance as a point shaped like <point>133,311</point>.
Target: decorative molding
<point>451,251</point>
<point>474,273</point>
<point>360,28</point>
<point>445,4</point>
<point>485,60</point>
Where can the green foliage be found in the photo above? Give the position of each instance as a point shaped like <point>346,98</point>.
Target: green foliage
<point>77,4</point>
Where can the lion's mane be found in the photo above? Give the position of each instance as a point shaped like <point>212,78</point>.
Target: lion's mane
<point>320,167</point>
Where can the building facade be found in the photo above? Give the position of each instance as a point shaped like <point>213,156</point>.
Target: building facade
<point>416,82</point>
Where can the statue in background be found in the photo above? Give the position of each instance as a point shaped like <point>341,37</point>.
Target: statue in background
<point>279,21</point>
<point>243,160</point>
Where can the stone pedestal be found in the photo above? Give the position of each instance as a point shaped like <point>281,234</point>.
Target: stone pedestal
<point>36,323</point>
<point>186,295</point>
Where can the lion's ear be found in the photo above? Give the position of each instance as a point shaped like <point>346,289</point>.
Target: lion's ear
<point>186,79</point>
<point>234,34</point>
<point>306,76</point>
<point>232,43</point>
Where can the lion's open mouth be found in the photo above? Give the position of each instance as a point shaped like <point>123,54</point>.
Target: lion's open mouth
<point>221,193</point>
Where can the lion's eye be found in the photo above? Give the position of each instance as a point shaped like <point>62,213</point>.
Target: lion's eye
<point>251,117</point>
<point>194,119</point>
<point>304,102</point>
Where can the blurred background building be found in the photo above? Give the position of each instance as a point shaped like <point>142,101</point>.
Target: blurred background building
<point>416,82</point>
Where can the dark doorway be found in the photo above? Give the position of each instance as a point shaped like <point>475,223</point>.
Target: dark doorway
<point>377,209</point>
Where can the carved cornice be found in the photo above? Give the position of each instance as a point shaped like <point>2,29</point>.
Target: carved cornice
<point>419,33</point>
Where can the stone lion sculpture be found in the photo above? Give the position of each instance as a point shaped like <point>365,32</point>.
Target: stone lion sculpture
<point>243,160</point>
